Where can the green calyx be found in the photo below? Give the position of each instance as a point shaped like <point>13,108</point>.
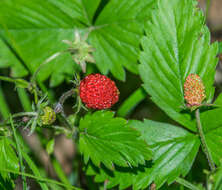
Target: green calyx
<point>80,50</point>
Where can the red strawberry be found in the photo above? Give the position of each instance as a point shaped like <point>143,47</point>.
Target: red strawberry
<point>98,91</point>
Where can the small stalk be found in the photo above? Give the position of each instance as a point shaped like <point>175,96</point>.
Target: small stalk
<point>203,141</point>
<point>4,109</point>
<point>66,95</point>
<point>62,99</point>
<point>21,114</point>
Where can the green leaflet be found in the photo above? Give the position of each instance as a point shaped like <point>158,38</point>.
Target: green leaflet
<point>108,140</point>
<point>6,184</point>
<point>8,59</point>
<point>212,125</point>
<point>43,25</point>
<point>174,152</point>
<point>177,43</point>
<point>8,158</point>
<point>220,48</point>
<point>216,180</point>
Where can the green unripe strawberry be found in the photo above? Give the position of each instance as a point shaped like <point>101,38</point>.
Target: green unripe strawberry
<point>49,116</point>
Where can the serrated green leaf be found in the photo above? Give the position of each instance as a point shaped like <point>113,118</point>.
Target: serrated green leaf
<point>8,59</point>
<point>214,142</point>
<point>6,184</point>
<point>108,140</point>
<point>122,177</point>
<point>117,38</point>
<point>35,30</point>
<point>8,158</point>
<point>212,125</point>
<point>174,152</point>
<point>88,9</point>
<point>177,43</point>
<point>43,25</point>
<point>211,119</point>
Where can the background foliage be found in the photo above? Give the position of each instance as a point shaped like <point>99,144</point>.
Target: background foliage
<point>148,48</point>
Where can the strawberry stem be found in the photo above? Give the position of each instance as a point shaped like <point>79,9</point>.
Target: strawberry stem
<point>62,99</point>
<point>203,141</point>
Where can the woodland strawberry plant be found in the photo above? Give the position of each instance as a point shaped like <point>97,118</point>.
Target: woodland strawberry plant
<point>83,68</point>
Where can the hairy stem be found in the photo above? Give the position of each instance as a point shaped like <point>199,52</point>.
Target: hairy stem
<point>203,141</point>
<point>66,95</point>
<point>62,99</point>
<point>21,114</point>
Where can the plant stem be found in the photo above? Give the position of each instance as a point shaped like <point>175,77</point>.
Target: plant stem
<point>24,182</point>
<point>24,99</point>
<point>63,119</point>
<point>60,173</point>
<point>4,109</point>
<point>34,76</point>
<point>47,91</point>
<point>66,95</point>
<point>21,114</point>
<point>203,141</point>
<point>186,184</point>
<point>208,3</point>
<point>131,102</point>
<point>40,178</point>
<point>62,99</point>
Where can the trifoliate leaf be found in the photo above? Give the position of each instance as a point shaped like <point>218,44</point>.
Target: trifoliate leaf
<point>174,152</point>
<point>42,25</point>
<point>177,43</point>
<point>8,158</point>
<point>108,140</point>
